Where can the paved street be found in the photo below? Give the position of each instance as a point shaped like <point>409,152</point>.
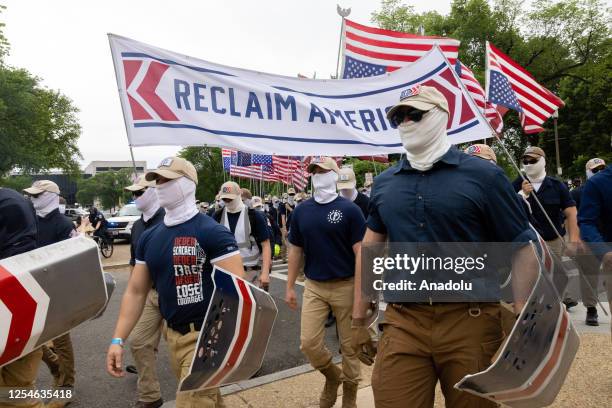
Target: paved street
<point>96,389</point>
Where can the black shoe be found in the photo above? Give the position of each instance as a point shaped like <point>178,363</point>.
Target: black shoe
<point>569,303</point>
<point>131,369</point>
<point>591,317</point>
<point>331,319</point>
<point>154,404</point>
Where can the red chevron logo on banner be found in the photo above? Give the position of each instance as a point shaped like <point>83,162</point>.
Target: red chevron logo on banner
<point>145,92</point>
<point>21,306</point>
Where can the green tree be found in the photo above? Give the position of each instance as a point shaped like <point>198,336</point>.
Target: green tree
<point>38,126</point>
<point>108,187</point>
<point>17,183</point>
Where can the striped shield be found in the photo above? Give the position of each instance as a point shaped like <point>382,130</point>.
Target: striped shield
<point>535,359</point>
<point>46,292</point>
<point>235,334</point>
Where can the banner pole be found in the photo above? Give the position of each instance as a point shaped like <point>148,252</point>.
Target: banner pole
<point>342,13</point>
<point>123,107</point>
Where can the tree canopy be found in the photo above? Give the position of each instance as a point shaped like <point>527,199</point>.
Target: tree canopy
<point>565,45</point>
<point>39,129</point>
<point>107,187</point>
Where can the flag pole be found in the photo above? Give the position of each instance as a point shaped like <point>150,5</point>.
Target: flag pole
<point>555,116</point>
<point>344,14</point>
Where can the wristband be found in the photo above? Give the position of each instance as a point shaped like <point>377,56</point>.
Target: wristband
<point>118,341</point>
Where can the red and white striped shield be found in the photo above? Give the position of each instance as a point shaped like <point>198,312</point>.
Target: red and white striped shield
<point>533,363</point>
<point>46,292</point>
<point>235,334</point>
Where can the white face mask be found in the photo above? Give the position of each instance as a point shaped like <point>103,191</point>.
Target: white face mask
<point>234,206</point>
<point>248,202</point>
<point>177,197</point>
<point>291,200</point>
<point>275,204</point>
<point>147,203</point>
<point>537,171</point>
<point>425,141</point>
<point>324,185</point>
<point>62,208</point>
<point>45,203</point>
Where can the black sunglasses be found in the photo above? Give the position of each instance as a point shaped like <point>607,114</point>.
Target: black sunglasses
<point>138,193</point>
<point>415,115</point>
<point>530,161</point>
<point>597,169</point>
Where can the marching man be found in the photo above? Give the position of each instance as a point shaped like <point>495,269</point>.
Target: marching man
<point>159,261</point>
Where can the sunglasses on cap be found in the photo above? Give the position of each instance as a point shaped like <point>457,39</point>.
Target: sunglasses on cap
<point>414,115</point>
<point>530,160</point>
<point>597,169</point>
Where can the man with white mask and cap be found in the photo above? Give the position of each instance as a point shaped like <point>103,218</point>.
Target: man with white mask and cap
<point>145,336</point>
<point>54,226</point>
<point>177,256</point>
<point>326,230</point>
<point>436,194</point>
<point>555,197</point>
<point>250,230</point>
<point>347,187</point>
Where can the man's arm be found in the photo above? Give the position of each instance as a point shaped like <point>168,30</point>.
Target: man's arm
<point>524,276</point>
<point>131,307</point>
<point>294,259</point>
<point>266,253</point>
<point>232,264</point>
<point>359,307</point>
<point>571,222</point>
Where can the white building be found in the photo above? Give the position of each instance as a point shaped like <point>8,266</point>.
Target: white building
<point>101,166</point>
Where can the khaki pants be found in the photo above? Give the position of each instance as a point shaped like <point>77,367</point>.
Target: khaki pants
<point>21,373</point>
<point>59,357</point>
<point>422,344</point>
<point>588,267</point>
<point>318,298</point>
<point>144,341</point>
<point>182,348</point>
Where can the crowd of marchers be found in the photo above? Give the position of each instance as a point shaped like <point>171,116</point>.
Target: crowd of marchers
<point>435,193</point>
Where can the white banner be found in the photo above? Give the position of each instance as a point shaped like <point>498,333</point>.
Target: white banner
<point>173,99</point>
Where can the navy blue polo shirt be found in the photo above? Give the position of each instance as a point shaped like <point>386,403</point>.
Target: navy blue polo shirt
<point>327,233</point>
<point>555,197</point>
<point>52,228</point>
<point>179,259</point>
<point>595,214</point>
<point>460,199</point>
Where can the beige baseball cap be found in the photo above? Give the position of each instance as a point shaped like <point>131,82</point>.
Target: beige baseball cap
<point>481,150</point>
<point>346,179</point>
<point>291,191</point>
<point>173,168</point>
<point>534,151</point>
<point>300,197</point>
<point>40,186</point>
<point>230,190</point>
<point>596,162</point>
<point>140,184</point>
<point>323,162</point>
<point>257,202</point>
<point>420,97</point>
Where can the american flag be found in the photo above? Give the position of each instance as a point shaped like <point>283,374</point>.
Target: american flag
<point>289,170</point>
<point>478,95</point>
<point>512,86</point>
<point>370,51</point>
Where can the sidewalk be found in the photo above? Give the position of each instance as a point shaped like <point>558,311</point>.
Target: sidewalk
<point>588,384</point>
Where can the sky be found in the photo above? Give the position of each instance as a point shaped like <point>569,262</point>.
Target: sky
<point>64,43</point>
